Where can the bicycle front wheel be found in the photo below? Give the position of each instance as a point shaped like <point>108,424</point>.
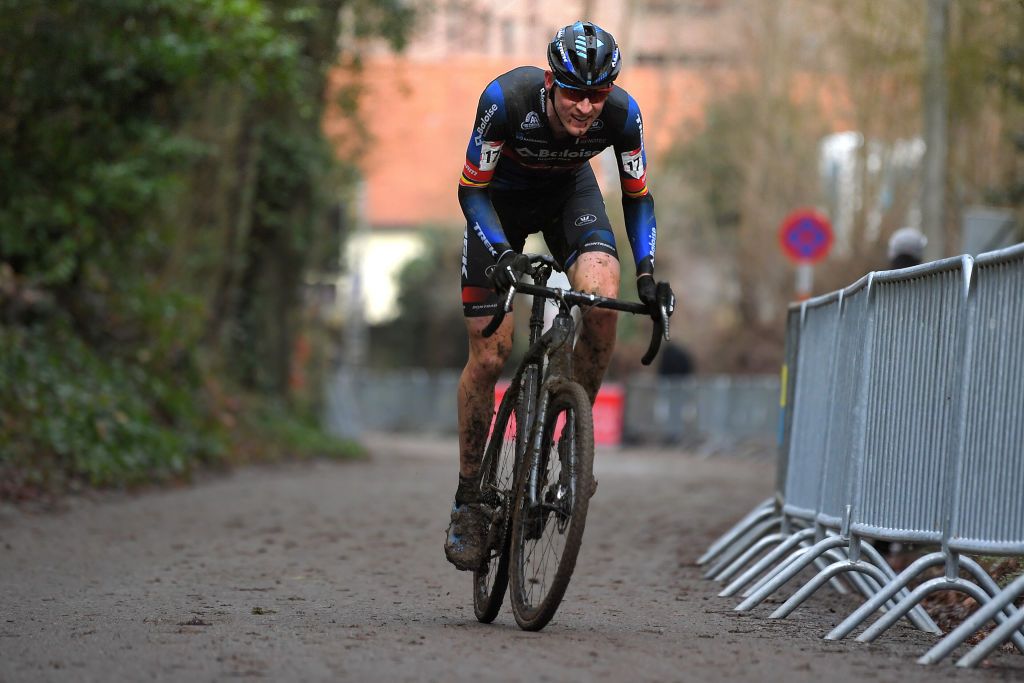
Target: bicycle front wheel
<point>490,581</point>
<point>552,495</point>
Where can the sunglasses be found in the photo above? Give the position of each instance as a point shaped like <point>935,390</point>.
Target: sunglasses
<point>595,95</point>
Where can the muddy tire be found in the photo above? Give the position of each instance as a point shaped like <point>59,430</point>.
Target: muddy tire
<point>546,538</point>
<point>497,476</point>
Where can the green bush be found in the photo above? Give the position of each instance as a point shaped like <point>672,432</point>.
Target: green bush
<point>165,182</point>
<point>71,414</point>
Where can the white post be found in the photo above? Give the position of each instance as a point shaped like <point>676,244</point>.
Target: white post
<point>804,281</point>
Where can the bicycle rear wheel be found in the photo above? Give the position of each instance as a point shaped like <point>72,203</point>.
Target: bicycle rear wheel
<point>546,536</point>
<point>497,473</point>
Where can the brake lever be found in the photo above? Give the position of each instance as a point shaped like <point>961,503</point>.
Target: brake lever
<point>666,306</point>
<point>499,317</point>
<point>508,299</point>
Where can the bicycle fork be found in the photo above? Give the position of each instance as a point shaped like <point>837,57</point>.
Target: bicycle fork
<point>559,366</point>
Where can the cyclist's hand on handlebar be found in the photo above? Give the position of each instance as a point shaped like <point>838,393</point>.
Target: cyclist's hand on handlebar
<point>660,302</point>
<point>647,290</point>
<point>507,271</point>
<point>655,295</point>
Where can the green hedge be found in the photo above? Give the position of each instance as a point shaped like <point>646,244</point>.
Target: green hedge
<point>71,413</point>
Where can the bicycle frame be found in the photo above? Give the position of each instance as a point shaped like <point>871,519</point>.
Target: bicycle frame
<point>545,393</point>
<point>554,346</point>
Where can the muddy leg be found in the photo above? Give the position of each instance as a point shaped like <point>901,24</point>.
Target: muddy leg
<point>476,389</point>
<point>598,274</point>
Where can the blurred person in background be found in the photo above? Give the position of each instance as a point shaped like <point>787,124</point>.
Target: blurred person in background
<point>676,361</point>
<point>906,248</point>
<point>528,170</point>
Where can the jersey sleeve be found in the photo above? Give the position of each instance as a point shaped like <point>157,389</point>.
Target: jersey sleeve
<point>637,201</point>
<point>482,154</point>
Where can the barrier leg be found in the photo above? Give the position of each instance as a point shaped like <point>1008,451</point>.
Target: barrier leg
<point>791,570</point>
<point>981,616</point>
<point>740,545</point>
<point>790,559</point>
<point>752,552</point>
<point>918,616</point>
<point>942,583</point>
<point>836,555</point>
<point>767,561</point>
<point>992,588</point>
<point>861,581</point>
<point>819,580</point>
<point>884,595</point>
<point>774,571</point>
<point>1000,635</point>
<point>767,506</point>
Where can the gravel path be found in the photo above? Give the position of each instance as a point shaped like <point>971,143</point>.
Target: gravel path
<point>335,572</point>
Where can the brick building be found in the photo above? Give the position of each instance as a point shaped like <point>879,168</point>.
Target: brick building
<point>419,105</point>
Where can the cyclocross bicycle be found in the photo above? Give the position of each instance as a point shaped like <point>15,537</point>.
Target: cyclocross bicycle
<point>537,469</point>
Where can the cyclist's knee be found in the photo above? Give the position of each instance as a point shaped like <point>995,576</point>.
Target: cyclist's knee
<point>596,273</point>
<point>487,357</point>
<point>488,363</point>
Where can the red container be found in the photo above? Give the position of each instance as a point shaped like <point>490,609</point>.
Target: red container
<point>608,410</point>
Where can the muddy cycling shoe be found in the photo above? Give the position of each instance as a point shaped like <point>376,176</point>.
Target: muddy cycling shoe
<point>466,544</point>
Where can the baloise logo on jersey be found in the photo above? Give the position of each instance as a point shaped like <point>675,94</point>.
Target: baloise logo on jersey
<point>562,154</point>
<point>485,123</point>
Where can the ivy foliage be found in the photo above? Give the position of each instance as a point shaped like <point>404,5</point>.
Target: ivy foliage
<point>90,113</point>
<point>165,187</point>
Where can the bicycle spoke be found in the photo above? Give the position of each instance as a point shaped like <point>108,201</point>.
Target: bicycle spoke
<point>543,554</point>
<point>547,536</point>
<point>490,580</point>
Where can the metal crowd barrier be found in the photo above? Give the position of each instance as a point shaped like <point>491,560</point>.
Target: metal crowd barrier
<point>718,412</point>
<point>767,514</point>
<point>915,426</point>
<point>817,329</point>
<point>987,490</point>
<point>827,397</point>
<point>712,413</point>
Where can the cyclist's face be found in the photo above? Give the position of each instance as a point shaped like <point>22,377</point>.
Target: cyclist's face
<point>575,110</point>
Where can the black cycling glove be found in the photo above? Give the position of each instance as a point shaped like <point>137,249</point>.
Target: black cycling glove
<point>647,289</point>
<point>510,267</point>
<point>654,294</point>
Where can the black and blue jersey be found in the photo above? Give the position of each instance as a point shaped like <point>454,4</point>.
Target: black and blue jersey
<point>512,148</point>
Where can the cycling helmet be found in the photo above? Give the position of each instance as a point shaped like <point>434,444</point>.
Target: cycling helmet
<point>584,55</point>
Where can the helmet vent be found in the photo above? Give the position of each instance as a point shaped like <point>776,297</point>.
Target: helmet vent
<point>583,55</point>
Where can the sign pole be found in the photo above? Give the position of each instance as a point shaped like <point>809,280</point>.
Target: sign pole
<point>804,281</point>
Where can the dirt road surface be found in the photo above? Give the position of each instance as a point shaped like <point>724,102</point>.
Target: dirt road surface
<point>327,572</point>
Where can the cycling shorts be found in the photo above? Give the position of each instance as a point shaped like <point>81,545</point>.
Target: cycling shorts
<point>571,217</point>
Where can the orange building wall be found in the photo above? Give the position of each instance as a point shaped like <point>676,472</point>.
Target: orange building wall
<point>419,117</point>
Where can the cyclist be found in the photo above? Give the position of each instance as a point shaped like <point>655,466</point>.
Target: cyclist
<point>527,170</point>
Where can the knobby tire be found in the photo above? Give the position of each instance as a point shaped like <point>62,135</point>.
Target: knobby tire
<point>535,600</point>
<point>496,483</point>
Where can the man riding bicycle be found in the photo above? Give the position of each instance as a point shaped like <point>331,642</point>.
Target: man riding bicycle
<point>527,170</point>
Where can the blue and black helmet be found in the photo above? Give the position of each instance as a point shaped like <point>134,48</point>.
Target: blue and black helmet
<point>584,55</point>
